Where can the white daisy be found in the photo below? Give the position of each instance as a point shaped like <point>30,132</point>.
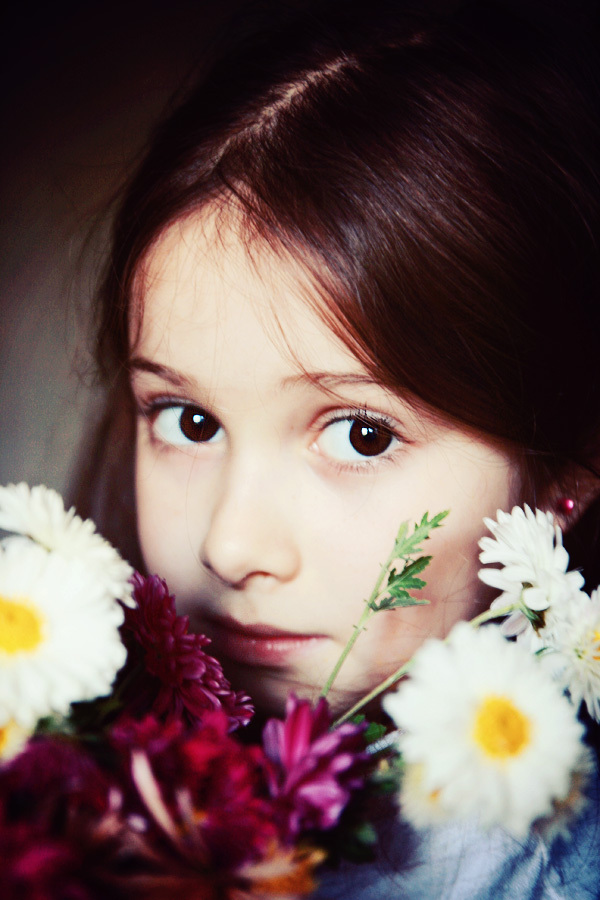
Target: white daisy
<point>59,633</point>
<point>492,733</point>
<point>420,806</point>
<point>533,578</point>
<point>575,645</point>
<point>39,513</point>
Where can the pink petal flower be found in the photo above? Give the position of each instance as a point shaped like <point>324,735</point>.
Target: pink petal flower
<point>315,770</point>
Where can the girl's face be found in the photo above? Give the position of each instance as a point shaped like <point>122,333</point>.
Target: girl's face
<point>272,474</point>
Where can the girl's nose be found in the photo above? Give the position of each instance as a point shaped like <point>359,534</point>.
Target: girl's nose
<point>250,532</point>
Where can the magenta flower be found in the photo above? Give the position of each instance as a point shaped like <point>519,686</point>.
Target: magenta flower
<point>180,679</point>
<point>315,770</point>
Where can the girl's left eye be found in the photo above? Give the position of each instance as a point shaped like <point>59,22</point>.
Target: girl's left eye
<point>356,438</point>
<point>182,425</point>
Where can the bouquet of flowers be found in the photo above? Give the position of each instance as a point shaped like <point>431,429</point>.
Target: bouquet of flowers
<point>124,770</point>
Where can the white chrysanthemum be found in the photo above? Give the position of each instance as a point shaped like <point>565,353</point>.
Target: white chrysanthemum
<point>59,633</point>
<point>533,578</point>
<point>491,732</point>
<point>574,659</point>
<point>39,513</point>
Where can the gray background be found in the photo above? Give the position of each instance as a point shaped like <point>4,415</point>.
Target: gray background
<point>84,83</point>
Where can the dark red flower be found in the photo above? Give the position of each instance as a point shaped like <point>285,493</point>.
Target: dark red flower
<point>229,785</point>
<point>54,805</point>
<point>315,769</point>
<point>49,772</point>
<point>149,734</point>
<point>179,678</point>
<point>38,866</point>
<point>207,793</point>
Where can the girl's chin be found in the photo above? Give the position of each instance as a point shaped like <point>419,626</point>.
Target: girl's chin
<point>269,689</point>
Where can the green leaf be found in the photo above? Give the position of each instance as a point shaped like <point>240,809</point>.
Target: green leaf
<point>409,544</point>
<point>402,532</point>
<point>388,601</point>
<point>405,602</point>
<point>374,732</point>
<point>401,602</point>
<point>406,584</point>
<point>365,834</point>
<point>417,565</point>
<point>54,724</point>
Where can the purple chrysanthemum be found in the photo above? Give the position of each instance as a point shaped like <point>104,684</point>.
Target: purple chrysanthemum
<point>315,769</point>
<point>180,678</point>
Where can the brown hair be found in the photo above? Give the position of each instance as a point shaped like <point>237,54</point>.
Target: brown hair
<point>436,176</point>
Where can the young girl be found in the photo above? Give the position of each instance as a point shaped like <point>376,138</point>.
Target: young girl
<point>355,280</point>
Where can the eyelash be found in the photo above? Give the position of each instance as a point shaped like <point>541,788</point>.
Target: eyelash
<point>151,409</point>
<point>374,420</point>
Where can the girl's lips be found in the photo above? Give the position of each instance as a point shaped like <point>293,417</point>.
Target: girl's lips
<point>257,645</point>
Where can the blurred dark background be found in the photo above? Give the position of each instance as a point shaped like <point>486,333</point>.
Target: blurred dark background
<point>83,83</point>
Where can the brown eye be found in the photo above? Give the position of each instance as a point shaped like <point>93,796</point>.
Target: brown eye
<point>181,425</point>
<point>369,439</point>
<point>355,438</point>
<point>197,426</point>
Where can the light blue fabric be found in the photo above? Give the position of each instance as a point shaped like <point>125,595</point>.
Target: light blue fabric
<point>460,861</point>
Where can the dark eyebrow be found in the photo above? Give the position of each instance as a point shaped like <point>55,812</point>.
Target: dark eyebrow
<point>140,364</point>
<point>326,381</point>
<point>331,380</point>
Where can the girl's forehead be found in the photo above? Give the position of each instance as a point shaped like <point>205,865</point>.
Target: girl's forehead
<point>207,255</point>
<point>203,280</point>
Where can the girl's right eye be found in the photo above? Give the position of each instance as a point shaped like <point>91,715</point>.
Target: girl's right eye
<point>182,425</point>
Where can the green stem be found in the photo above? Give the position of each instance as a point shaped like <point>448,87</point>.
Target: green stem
<point>389,681</point>
<point>490,614</point>
<point>366,615</point>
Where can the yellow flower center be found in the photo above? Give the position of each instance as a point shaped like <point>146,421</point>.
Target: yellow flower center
<point>20,626</point>
<point>501,730</point>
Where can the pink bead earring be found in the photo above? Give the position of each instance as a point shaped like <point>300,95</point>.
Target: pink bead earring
<point>565,505</point>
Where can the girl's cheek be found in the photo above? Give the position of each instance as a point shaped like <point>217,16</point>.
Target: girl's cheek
<point>159,516</point>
